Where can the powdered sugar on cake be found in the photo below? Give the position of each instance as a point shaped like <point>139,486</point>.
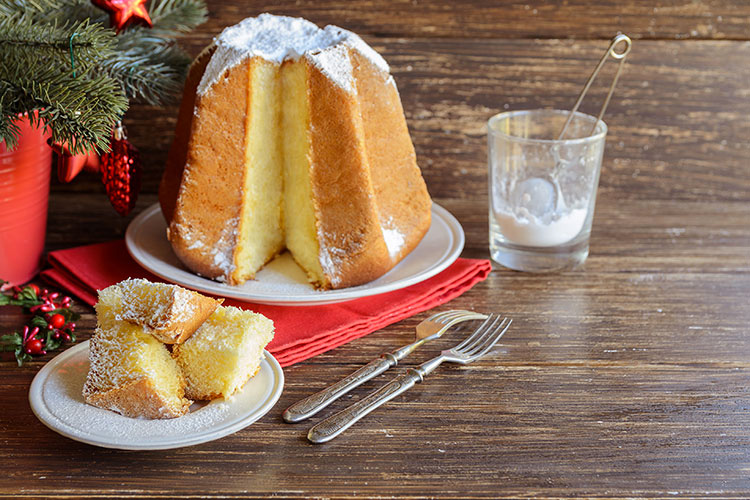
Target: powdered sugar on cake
<point>170,303</point>
<point>394,239</point>
<point>334,62</point>
<point>280,38</point>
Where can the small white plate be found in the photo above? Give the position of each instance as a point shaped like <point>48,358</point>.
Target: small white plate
<point>282,281</point>
<point>56,400</point>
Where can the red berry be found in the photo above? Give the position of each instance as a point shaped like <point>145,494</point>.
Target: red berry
<point>34,346</point>
<point>57,320</point>
<point>35,288</point>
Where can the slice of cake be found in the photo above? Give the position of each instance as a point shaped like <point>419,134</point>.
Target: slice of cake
<point>134,374</point>
<point>168,312</point>
<point>223,353</point>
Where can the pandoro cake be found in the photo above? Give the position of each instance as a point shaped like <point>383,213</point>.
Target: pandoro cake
<point>292,136</point>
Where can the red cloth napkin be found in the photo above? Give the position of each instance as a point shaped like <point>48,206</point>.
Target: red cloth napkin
<point>301,331</point>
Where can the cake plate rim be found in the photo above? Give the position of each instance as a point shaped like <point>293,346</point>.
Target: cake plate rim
<point>145,238</point>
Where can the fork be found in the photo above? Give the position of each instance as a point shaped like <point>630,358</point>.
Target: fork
<point>429,329</point>
<point>474,347</point>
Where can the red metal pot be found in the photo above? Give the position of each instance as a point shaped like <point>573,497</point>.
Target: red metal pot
<point>24,195</point>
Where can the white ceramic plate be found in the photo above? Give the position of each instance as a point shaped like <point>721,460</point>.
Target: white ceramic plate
<point>282,281</point>
<point>55,398</point>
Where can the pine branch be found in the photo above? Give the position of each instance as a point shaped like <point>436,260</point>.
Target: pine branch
<point>9,129</point>
<point>79,101</point>
<point>37,74</point>
<point>73,11</point>
<point>79,111</point>
<point>10,8</point>
<point>24,43</point>
<point>150,74</point>
<point>172,17</point>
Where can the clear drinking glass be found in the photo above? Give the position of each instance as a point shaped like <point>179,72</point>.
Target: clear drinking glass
<point>542,190</point>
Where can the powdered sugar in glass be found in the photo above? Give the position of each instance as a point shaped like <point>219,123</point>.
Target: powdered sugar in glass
<point>542,190</point>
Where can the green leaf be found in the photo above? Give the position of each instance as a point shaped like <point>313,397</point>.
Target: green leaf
<point>28,293</point>
<point>11,340</point>
<point>38,321</point>
<point>52,344</point>
<point>21,356</point>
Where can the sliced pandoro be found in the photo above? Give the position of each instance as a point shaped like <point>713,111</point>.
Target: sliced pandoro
<point>134,374</point>
<point>223,353</point>
<point>131,371</point>
<point>292,137</point>
<point>168,312</point>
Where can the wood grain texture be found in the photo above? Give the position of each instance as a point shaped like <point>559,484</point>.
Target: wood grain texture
<point>671,19</point>
<point>628,377</point>
<point>677,108</point>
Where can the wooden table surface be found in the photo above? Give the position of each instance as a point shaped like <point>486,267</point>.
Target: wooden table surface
<point>629,377</point>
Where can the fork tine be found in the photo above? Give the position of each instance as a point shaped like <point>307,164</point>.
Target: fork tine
<point>479,339</point>
<point>478,332</point>
<point>447,316</point>
<point>437,316</point>
<point>492,340</point>
<point>457,315</point>
<point>440,317</point>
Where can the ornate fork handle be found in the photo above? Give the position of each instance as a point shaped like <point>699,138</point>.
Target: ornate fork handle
<point>313,404</point>
<point>338,423</point>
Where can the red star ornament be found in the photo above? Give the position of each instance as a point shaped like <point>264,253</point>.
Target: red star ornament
<point>70,165</point>
<point>125,12</point>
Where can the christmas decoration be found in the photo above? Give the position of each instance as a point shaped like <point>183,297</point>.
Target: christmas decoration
<point>70,165</point>
<point>124,12</point>
<point>52,324</point>
<point>64,68</point>
<point>121,172</point>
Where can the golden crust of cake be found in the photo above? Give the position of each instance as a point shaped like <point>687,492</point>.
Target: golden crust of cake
<point>138,399</point>
<point>170,181</point>
<point>168,312</point>
<point>352,247</point>
<point>404,206</point>
<point>204,228</point>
